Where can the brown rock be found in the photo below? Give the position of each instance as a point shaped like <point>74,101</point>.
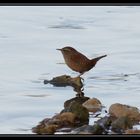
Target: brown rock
<point>74,115</point>
<point>130,131</point>
<point>50,126</point>
<point>119,110</point>
<point>42,129</point>
<point>80,100</point>
<point>81,113</point>
<point>93,105</point>
<point>121,124</point>
<point>67,117</point>
<point>50,129</point>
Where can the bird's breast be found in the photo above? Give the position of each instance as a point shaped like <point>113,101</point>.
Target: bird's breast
<point>77,63</point>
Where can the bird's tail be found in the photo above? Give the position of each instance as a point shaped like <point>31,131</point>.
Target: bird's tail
<point>94,60</point>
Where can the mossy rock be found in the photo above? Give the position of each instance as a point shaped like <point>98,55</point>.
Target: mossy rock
<point>79,100</point>
<point>80,112</point>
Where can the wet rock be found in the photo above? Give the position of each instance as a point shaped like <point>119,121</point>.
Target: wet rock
<point>105,122</point>
<point>49,126</point>
<point>44,128</point>
<point>81,113</point>
<point>93,105</point>
<point>88,129</point>
<point>63,119</point>
<point>98,129</point>
<point>79,100</point>
<point>49,129</point>
<point>102,126</point>
<point>131,131</point>
<point>66,118</point>
<point>113,125</point>
<point>85,129</point>
<point>64,129</point>
<point>119,110</point>
<point>121,124</point>
<point>74,116</point>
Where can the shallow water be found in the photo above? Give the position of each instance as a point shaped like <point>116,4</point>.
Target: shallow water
<point>29,37</point>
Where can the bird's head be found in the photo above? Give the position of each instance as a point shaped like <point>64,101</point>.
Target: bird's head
<point>67,50</point>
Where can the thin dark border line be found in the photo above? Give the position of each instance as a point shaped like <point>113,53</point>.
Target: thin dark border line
<point>69,4</point>
<point>67,135</point>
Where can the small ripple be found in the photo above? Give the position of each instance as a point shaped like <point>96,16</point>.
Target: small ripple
<point>61,63</point>
<point>109,11</point>
<point>3,36</point>
<point>36,81</point>
<point>116,77</point>
<point>45,73</point>
<point>67,26</point>
<point>21,129</point>
<point>108,78</point>
<point>41,95</point>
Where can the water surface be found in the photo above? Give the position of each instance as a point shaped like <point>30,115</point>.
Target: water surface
<point>29,37</point>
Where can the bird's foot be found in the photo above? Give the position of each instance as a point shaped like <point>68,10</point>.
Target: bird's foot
<point>79,76</point>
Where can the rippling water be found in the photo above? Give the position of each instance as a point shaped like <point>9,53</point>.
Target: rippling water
<point>29,37</point>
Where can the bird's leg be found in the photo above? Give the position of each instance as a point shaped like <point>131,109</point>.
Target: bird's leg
<point>82,79</point>
<point>80,74</point>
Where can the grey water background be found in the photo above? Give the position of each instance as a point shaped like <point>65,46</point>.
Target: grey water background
<point>29,37</point>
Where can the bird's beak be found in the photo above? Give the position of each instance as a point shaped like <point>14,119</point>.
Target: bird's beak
<point>59,49</point>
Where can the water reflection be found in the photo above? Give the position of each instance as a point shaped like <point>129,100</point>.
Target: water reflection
<point>66,80</point>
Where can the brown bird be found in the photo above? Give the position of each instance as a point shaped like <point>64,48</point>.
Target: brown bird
<point>77,61</point>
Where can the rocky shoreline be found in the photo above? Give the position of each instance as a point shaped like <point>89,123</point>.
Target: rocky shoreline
<point>77,112</point>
